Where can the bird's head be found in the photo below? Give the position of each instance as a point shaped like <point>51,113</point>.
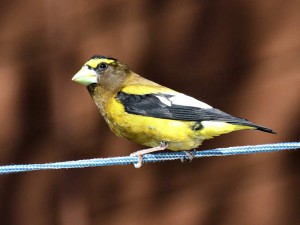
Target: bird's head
<point>104,71</point>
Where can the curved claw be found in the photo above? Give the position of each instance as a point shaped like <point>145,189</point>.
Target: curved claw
<point>140,160</point>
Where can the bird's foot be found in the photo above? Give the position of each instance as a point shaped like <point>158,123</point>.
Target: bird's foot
<point>163,145</point>
<point>189,156</point>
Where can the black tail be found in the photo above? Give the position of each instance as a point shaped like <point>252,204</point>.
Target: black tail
<point>258,127</point>
<point>264,129</point>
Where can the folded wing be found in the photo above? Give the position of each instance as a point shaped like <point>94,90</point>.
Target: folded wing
<point>178,107</point>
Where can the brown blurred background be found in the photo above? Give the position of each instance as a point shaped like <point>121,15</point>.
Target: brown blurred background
<point>240,56</point>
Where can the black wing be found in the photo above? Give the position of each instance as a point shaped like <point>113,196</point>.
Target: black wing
<point>151,105</point>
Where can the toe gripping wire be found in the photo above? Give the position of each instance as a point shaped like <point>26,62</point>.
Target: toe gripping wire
<point>151,158</point>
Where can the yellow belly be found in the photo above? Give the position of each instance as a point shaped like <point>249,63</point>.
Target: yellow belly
<point>150,131</point>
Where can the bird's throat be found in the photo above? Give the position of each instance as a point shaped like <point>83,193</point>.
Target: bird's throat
<point>100,96</point>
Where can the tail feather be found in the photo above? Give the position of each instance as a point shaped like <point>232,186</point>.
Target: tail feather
<point>218,115</point>
<point>258,127</point>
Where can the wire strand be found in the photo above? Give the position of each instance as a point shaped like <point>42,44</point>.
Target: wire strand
<point>150,158</point>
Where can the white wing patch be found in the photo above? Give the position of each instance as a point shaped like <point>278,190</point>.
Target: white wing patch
<point>184,100</point>
<point>164,100</point>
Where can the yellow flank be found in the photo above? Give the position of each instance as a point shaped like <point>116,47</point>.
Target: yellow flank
<point>150,131</point>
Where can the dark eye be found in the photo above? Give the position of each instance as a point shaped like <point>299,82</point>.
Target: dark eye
<point>102,66</point>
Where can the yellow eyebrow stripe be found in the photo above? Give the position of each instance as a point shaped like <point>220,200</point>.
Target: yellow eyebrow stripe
<point>95,62</point>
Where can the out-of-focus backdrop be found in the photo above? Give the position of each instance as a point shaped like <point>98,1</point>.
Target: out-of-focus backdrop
<point>240,56</point>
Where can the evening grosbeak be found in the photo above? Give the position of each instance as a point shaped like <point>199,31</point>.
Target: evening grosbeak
<point>150,114</point>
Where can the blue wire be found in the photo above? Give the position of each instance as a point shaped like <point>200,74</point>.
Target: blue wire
<point>157,157</point>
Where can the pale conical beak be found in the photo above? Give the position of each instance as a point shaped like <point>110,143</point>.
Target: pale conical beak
<point>86,76</point>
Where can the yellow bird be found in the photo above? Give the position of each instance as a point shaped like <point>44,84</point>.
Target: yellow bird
<point>150,114</point>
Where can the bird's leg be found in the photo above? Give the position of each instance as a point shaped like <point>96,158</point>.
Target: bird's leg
<point>163,145</point>
<point>189,156</point>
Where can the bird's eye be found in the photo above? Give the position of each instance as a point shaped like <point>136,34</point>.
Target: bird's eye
<point>102,66</point>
